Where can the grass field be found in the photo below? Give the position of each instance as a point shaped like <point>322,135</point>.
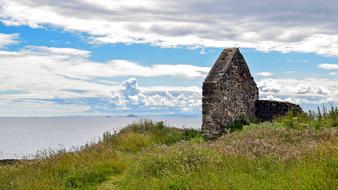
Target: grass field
<point>293,152</point>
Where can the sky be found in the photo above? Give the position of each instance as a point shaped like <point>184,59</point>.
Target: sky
<point>146,57</point>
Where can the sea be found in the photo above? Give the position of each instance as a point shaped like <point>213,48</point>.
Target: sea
<point>24,137</point>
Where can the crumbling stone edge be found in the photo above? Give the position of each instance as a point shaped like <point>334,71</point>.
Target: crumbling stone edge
<point>230,93</point>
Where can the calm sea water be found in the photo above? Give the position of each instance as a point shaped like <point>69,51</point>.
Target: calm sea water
<point>24,137</point>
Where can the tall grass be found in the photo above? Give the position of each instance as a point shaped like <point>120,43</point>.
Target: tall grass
<point>187,167</point>
<point>271,155</point>
<point>91,164</point>
<point>293,152</point>
<point>322,118</point>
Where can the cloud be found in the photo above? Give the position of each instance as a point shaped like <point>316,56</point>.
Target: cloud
<point>49,72</point>
<point>328,66</point>
<point>287,99</point>
<point>64,78</point>
<point>63,52</point>
<point>130,88</point>
<point>264,74</point>
<point>130,98</point>
<point>269,85</point>
<point>308,26</point>
<point>303,91</point>
<point>310,87</point>
<point>8,39</point>
<point>203,52</point>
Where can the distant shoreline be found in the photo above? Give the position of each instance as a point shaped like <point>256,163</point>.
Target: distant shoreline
<point>9,161</point>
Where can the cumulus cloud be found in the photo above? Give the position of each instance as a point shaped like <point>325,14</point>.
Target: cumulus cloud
<point>269,86</point>
<point>328,66</point>
<point>8,39</point>
<point>302,26</point>
<point>132,98</point>
<point>65,77</point>
<point>303,91</point>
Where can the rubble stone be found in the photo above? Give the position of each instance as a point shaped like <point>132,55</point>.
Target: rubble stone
<point>266,110</point>
<point>230,93</point>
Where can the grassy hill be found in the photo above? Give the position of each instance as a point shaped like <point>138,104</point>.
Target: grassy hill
<point>293,152</point>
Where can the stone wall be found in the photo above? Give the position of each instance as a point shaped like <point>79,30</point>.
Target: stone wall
<point>266,110</point>
<point>229,93</point>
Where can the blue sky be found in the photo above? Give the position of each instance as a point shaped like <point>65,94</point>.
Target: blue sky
<point>86,57</point>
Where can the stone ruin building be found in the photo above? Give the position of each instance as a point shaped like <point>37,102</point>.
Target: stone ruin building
<point>230,93</point>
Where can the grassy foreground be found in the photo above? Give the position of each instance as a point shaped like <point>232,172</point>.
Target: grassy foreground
<point>293,152</point>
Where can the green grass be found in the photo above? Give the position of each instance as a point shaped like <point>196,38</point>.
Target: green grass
<point>293,152</point>
<point>323,118</point>
<point>92,164</point>
<point>187,168</point>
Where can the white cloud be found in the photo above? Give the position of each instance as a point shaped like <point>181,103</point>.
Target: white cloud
<point>71,62</point>
<point>8,39</point>
<point>45,72</point>
<point>310,87</point>
<point>288,99</point>
<point>303,91</point>
<point>268,85</point>
<point>264,74</point>
<point>328,66</point>
<point>203,52</point>
<point>131,98</point>
<point>65,78</point>
<point>265,25</point>
<point>63,52</point>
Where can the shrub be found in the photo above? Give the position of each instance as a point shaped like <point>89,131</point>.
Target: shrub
<point>238,124</point>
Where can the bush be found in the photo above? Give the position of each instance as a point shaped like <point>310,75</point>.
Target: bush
<point>238,124</point>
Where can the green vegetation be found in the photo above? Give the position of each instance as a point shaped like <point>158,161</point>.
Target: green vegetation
<point>297,151</point>
<point>321,119</point>
<point>90,165</point>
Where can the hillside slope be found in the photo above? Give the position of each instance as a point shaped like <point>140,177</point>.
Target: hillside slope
<point>293,152</point>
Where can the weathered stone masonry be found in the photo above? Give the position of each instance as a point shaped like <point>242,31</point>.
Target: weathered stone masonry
<point>266,110</point>
<point>230,93</point>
